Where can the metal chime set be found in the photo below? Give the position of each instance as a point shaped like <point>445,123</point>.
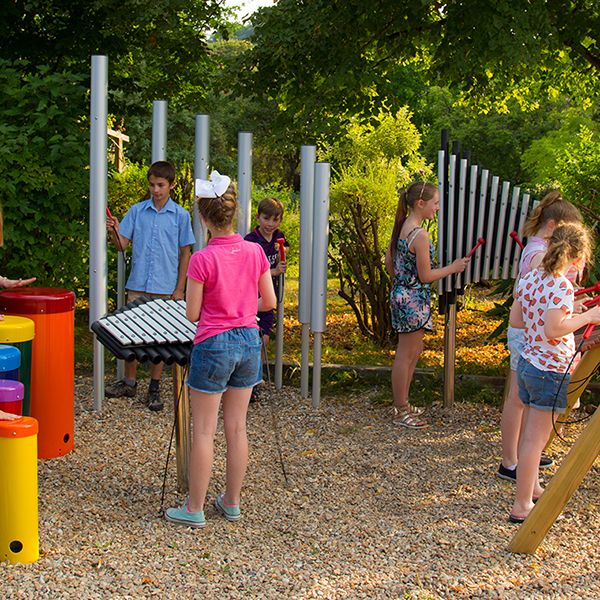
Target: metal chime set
<point>481,216</point>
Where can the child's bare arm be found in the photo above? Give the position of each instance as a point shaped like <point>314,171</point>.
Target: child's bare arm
<point>184,259</point>
<point>387,261</point>
<point>515,319</point>
<point>4,416</point>
<point>557,323</point>
<point>426,273</point>
<point>193,299</point>
<point>120,241</point>
<point>5,282</point>
<point>267,299</point>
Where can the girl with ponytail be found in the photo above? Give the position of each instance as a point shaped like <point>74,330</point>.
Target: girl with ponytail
<point>409,261</point>
<point>544,307</point>
<point>541,223</point>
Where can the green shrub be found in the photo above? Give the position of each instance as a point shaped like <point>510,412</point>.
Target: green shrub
<point>44,158</point>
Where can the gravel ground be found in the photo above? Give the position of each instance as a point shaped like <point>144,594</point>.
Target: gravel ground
<point>370,511</point>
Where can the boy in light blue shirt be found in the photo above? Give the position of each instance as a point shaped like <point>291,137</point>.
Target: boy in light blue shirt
<point>160,232</point>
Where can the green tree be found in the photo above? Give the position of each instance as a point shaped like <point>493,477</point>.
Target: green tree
<point>44,155</point>
<point>156,51</point>
<point>327,58</point>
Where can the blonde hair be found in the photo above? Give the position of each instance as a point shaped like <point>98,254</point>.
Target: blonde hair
<point>569,241</point>
<point>419,190</point>
<point>552,207</point>
<point>219,211</point>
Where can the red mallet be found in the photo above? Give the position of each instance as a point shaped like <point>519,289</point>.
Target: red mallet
<point>594,289</point>
<point>588,304</point>
<point>591,301</point>
<point>281,242</point>
<point>515,236</point>
<point>588,331</point>
<point>480,242</point>
<point>108,213</point>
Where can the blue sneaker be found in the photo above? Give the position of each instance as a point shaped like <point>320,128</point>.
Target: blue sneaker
<point>183,516</point>
<point>231,513</point>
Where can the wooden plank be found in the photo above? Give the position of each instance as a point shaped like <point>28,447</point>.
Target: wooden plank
<point>562,486</point>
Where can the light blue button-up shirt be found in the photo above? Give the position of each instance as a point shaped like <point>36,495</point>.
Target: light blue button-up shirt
<point>156,237</point>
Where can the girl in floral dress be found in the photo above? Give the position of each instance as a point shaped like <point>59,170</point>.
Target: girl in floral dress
<point>409,261</point>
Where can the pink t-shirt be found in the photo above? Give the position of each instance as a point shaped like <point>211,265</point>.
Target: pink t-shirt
<point>229,268</point>
<point>539,292</point>
<point>535,245</point>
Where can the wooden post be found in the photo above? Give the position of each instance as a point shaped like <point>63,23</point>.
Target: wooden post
<point>564,483</point>
<point>118,137</point>
<point>181,403</point>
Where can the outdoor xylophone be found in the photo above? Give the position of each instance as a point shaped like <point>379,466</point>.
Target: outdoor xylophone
<point>148,329</point>
<point>476,205</point>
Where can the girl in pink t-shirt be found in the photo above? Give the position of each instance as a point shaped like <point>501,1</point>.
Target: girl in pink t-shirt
<point>223,286</point>
<point>544,308</point>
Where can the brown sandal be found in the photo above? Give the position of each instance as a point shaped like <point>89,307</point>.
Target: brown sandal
<point>407,417</point>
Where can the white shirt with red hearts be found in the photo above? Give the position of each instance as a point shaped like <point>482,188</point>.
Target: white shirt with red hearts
<point>538,292</point>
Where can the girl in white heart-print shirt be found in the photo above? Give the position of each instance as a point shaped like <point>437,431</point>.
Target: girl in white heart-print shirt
<point>544,307</point>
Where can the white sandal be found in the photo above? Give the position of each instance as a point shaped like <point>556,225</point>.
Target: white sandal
<point>409,417</point>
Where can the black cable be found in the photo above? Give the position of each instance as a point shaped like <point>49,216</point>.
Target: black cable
<point>577,351</point>
<point>274,418</point>
<point>176,410</point>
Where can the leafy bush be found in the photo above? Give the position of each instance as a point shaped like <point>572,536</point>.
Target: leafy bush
<point>374,161</point>
<point>44,158</point>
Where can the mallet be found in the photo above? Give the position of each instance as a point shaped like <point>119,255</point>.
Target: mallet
<point>588,304</point>
<point>593,289</point>
<point>480,242</point>
<point>515,236</point>
<point>281,242</point>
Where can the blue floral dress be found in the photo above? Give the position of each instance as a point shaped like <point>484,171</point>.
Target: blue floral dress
<point>410,300</point>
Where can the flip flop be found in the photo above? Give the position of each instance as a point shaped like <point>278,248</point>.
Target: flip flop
<point>516,520</point>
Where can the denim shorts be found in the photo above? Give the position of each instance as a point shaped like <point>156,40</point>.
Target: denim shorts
<point>516,342</point>
<point>229,359</point>
<point>544,390</point>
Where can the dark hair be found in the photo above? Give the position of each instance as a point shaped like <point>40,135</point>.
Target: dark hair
<point>164,169</point>
<point>270,207</point>
<point>419,190</point>
<point>552,207</point>
<point>568,242</point>
<point>219,211</point>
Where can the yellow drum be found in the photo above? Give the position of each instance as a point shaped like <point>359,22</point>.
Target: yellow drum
<point>19,542</point>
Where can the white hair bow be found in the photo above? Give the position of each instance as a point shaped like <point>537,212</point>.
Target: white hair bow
<point>214,187</point>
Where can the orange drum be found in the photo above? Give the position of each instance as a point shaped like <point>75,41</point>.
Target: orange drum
<point>52,362</point>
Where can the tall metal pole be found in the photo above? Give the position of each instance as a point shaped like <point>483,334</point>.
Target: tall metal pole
<point>121,280</point>
<point>244,182</point>
<point>307,189</point>
<point>159,130</point>
<point>279,329</point>
<point>319,271</point>
<point>200,172</point>
<point>98,195</point>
